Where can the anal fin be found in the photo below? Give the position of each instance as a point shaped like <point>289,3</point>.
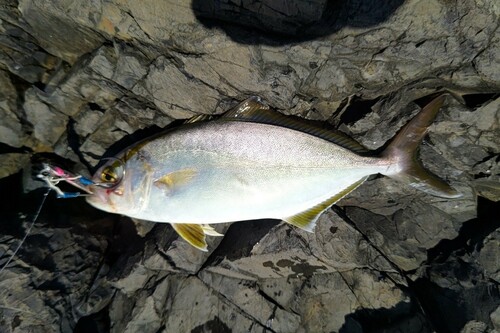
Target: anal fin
<point>307,220</point>
<point>209,231</point>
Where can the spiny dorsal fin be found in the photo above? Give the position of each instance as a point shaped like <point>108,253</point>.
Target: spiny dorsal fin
<point>191,233</point>
<point>250,109</point>
<point>307,220</point>
<point>175,179</point>
<point>199,118</point>
<point>254,110</point>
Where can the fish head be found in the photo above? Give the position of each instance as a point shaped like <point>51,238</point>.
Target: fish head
<point>121,187</point>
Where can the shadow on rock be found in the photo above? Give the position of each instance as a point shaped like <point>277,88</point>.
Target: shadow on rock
<point>460,299</point>
<point>239,240</point>
<point>403,317</point>
<point>279,22</point>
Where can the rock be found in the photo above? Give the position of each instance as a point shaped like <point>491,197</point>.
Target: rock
<point>12,163</point>
<point>489,254</point>
<point>20,52</point>
<point>161,86</point>
<point>276,16</point>
<point>385,258</point>
<point>52,285</point>
<point>495,318</point>
<point>487,188</point>
<point>475,327</point>
<point>11,130</point>
<point>48,124</point>
<point>50,36</point>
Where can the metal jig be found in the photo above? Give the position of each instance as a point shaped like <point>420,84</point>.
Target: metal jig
<point>53,175</point>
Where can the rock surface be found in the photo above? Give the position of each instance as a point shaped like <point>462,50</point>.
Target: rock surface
<point>80,80</point>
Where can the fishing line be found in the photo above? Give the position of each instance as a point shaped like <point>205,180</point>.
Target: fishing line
<point>28,231</point>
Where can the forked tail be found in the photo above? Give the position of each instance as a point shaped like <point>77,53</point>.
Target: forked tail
<point>403,150</point>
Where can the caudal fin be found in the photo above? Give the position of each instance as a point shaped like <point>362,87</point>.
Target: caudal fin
<point>403,150</point>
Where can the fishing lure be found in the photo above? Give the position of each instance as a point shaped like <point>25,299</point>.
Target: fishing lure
<point>52,176</point>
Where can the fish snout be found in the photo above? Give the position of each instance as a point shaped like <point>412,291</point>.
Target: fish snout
<point>100,199</point>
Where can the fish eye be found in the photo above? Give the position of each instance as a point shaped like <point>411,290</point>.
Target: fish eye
<point>112,174</point>
<point>109,175</point>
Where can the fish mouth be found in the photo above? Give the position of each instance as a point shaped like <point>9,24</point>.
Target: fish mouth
<point>100,200</point>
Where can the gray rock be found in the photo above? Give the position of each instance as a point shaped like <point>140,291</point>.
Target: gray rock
<point>495,318</point>
<point>12,163</point>
<point>53,36</point>
<point>475,327</point>
<point>11,130</point>
<point>48,124</point>
<point>489,256</point>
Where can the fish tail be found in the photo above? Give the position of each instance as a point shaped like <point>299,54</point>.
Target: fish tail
<point>403,151</point>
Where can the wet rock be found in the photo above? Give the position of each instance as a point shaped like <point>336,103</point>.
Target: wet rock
<point>386,258</point>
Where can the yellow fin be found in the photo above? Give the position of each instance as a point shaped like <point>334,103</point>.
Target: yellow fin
<point>176,179</point>
<point>192,233</point>
<point>209,231</point>
<point>307,220</point>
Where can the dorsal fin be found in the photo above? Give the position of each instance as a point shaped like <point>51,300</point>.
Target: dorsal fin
<point>251,109</point>
<point>307,220</point>
<point>199,118</point>
<point>254,110</point>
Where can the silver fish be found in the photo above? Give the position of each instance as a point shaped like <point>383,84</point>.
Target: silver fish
<point>253,163</point>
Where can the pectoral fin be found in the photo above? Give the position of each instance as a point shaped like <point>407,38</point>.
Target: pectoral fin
<point>192,233</point>
<point>175,179</point>
<point>307,220</point>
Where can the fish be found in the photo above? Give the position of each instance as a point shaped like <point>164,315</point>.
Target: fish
<point>253,163</point>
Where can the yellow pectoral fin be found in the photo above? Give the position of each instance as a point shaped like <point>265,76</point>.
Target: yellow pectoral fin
<point>192,233</point>
<point>307,220</point>
<point>176,179</point>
